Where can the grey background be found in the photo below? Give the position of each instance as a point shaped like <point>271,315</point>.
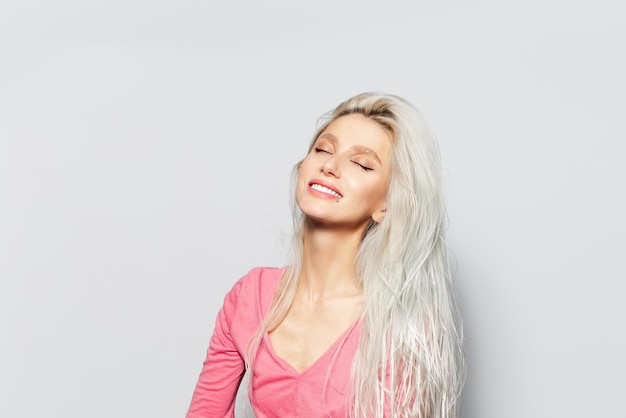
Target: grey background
<point>145,151</point>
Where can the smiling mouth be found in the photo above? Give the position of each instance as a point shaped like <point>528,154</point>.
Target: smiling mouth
<point>326,190</point>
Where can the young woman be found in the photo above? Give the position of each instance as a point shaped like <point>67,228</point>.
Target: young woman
<point>362,323</point>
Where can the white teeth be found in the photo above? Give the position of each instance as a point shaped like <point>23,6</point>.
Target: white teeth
<point>326,190</point>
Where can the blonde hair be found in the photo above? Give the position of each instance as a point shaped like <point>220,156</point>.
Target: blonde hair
<point>410,361</point>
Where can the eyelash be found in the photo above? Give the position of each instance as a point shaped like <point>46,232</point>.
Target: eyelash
<point>365,168</point>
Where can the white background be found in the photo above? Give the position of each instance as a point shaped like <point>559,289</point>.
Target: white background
<point>145,152</point>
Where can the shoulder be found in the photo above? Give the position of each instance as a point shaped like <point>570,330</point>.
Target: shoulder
<point>255,290</point>
<point>264,273</point>
<point>260,279</point>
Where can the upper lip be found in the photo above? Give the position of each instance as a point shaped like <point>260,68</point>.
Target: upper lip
<point>326,184</point>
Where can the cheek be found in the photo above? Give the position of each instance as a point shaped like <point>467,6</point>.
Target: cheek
<point>301,181</point>
<point>305,166</point>
<point>373,194</point>
<point>304,171</point>
<point>379,193</point>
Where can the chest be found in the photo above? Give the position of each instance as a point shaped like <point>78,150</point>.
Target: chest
<point>320,390</point>
<point>306,334</point>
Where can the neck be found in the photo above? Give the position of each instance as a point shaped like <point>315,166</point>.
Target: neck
<point>328,265</point>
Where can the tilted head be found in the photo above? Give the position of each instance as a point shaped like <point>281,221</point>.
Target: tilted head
<point>413,198</point>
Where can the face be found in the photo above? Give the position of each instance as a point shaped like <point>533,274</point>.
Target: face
<point>343,179</point>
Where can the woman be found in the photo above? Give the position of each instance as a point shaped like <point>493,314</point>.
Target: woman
<point>362,323</point>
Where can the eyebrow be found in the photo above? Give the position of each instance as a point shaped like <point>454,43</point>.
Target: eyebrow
<point>358,148</point>
<point>368,151</point>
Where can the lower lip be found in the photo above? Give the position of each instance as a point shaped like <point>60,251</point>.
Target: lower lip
<point>322,194</point>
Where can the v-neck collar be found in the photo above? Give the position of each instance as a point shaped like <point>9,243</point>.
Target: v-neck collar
<point>323,359</point>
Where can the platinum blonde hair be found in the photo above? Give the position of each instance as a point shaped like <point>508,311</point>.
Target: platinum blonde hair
<point>410,360</point>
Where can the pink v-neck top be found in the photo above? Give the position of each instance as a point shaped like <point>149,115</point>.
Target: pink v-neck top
<point>278,390</point>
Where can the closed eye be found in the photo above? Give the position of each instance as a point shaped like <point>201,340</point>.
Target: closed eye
<point>364,167</point>
<point>322,150</point>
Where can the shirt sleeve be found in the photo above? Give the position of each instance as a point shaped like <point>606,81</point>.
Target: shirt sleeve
<point>223,368</point>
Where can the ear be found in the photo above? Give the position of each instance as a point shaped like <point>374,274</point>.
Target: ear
<point>379,215</point>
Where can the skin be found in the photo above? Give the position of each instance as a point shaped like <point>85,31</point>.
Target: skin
<point>351,157</point>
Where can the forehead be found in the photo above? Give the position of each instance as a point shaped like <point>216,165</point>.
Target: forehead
<point>357,130</point>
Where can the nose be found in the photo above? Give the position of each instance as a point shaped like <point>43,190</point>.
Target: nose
<point>330,167</point>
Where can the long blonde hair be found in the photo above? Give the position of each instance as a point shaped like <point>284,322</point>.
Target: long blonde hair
<point>410,361</point>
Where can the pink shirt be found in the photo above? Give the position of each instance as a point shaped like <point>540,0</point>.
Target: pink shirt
<point>278,389</point>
